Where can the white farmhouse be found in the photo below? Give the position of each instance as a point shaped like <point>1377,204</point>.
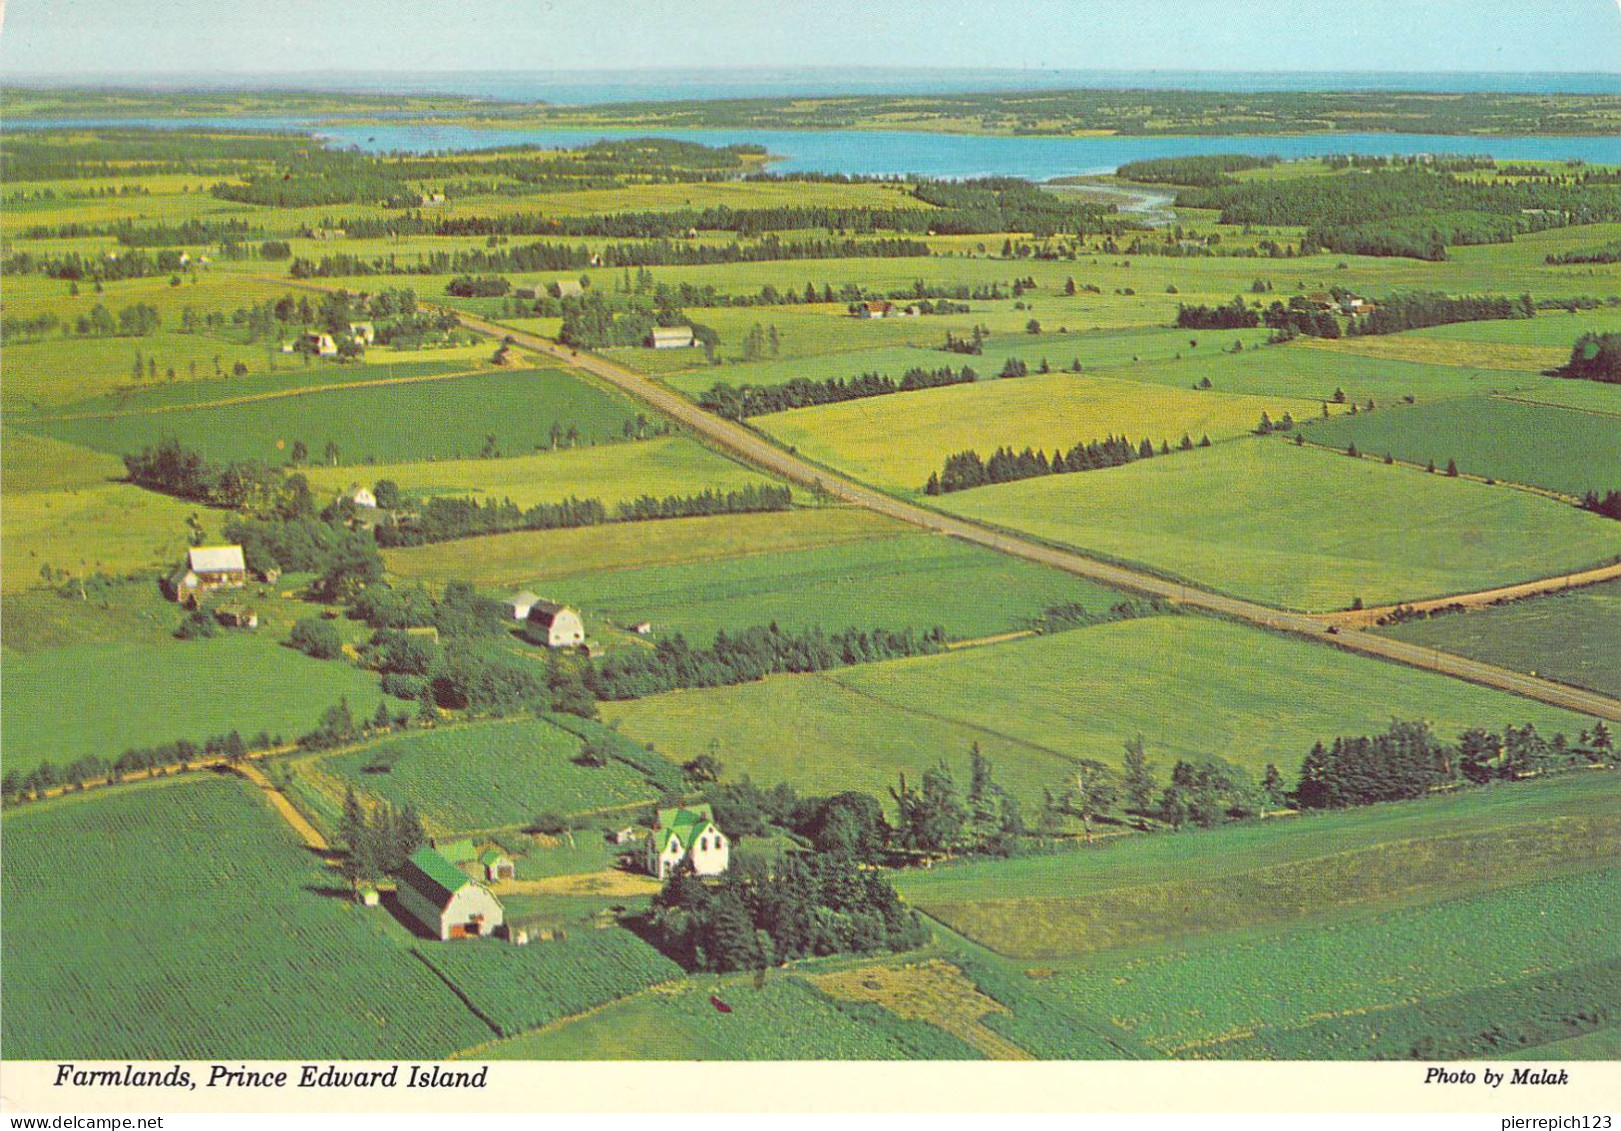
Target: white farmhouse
<point>363,497</point>
<point>445,900</point>
<point>682,834</point>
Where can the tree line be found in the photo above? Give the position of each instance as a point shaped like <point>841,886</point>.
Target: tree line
<point>1595,357</point>
<point>376,843</point>
<point>968,469</point>
<point>735,403</point>
<point>442,519</point>
<point>1415,311</point>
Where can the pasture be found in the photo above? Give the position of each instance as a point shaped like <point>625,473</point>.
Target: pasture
<point>1563,450</point>
<point>488,775</point>
<point>908,580</point>
<point>665,465</point>
<point>1570,636</point>
<point>433,419</point>
<point>898,441</point>
<point>126,694</point>
<point>538,558</point>
<point>1192,686</point>
<point>203,913</point>
<point>1301,528</point>
<point>105,527</point>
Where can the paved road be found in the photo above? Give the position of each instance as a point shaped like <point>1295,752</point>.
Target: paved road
<point>753,448</point>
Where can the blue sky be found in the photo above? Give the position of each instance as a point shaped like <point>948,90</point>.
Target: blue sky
<point>172,39</point>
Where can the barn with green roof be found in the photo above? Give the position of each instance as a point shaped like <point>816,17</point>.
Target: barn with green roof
<point>445,900</point>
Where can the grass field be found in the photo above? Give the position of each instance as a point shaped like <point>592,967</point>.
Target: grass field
<point>913,580</point>
<point>446,419</point>
<point>1301,528</point>
<point>506,561</point>
<point>1255,994</point>
<point>788,1020</point>
<point>668,465</point>
<point>1487,436</point>
<point>488,776</point>
<point>897,441</point>
<point>202,915</point>
<point>133,694</point>
<point>1588,396</point>
<point>1570,637</point>
<point>517,988</point>
<point>1192,687</point>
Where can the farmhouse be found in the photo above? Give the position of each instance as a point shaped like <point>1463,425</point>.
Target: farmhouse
<point>207,568</point>
<point>567,288</point>
<point>321,345</point>
<point>670,338</point>
<point>521,603</point>
<point>874,309</point>
<point>681,834</point>
<point>363,333</point>
<point>554,625</point>
<point>441,897</point>
<point>363,497</point>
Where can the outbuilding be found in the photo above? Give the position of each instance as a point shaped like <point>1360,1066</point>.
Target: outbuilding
<point>208,568</point>
<point>554,625</point>
<point>670,338</point>
<point>444,900</point>
<point>521,602</point>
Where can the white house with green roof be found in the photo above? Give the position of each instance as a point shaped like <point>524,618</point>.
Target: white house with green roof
<point>687,834</point>
<point>445,900</point>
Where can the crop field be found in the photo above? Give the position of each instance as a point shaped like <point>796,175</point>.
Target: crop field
<point>1301,528</point>
<point>1487,436</point>
<point>132,694</point>
<point>1316,890</point>
<point>1259,994</point>
<point>1567,636</point>
<point>897,441</point>
<point>665,465</point>
<point>433,419</point>
<point>787,1020</point>
<point>1550,328</point>
<point>1191,686</point>
<point>515,988</point>
<point>508,561</point>
<point>1587,396</point>
<point>914,580</point>
<point>174,878</point>
<point>1471,354</point>
<point>488,776</point>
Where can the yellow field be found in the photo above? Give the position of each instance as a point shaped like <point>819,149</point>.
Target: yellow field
<point>899,440</point>
<point>111,528</point>
<point>38,463</point>
<point>531,557</point>
<point>934,991</point>
<point>1436,351</point>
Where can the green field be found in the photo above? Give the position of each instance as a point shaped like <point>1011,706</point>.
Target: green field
<point>508,561</point>
<point>1251,995</point>
<point>488,776</point>
<point>669,465</point>
<point>914,580</point>
<point>788,1020</point>
<point>446,419</point>
<point>1488,437</point>
<point>1570,637</point>
<point>132,694</point>
<point>1191,686</point>
<point>517,988</point>
<point>897,441</point>
<point>111,528</point>
<point>206,931</point>
<point>1301,528</point>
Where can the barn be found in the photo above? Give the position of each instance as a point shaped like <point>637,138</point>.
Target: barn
<point>554,625</point>
<point>680,834</point>
<point>442,898</point>
<point>521,603</point>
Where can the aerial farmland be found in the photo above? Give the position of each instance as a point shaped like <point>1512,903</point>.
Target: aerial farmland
<point>1078,632</point>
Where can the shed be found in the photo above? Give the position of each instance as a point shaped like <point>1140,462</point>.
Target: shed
<point>233,615</point>
<point>444,900</point>
<point>874,309</point>
<point>567,288</point>
<point>497,865</point>
<point>521,602</point>
<point>642,628</point>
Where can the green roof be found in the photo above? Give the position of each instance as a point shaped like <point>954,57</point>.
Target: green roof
<point>492,856</point>
<point>459,852</point>
<point>684,823</point>
<point>433,877</point>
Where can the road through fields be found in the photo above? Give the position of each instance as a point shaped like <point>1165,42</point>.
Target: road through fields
<point>755,449</point>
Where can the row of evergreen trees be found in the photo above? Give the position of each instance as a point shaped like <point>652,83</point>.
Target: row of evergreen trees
<point>181,754</point>
<point>735,403</point>
<point>967,470</point>
<point>1416,311</point>
<point>443,519</point>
